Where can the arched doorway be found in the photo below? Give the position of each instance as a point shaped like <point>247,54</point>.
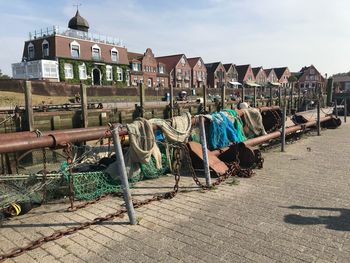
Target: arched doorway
<point>96,76</point>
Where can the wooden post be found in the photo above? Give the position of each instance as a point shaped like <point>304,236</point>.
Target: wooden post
<point>83,100</point>
<point>142,99</point>
<point>318,117</point>
<point>243,92</point>
<point>171,101</point>
<point>223,95</point>
<point>345,109</point>
<point>271,95</point>
<point>28,105</point>
<point>283,133</point>
<point>299,99</point>
<point>254,98</point>
<point>291,97</point>
<point>205,98</point>
<point>336,108</point>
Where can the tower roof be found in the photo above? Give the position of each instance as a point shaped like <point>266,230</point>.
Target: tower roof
<point>77,22</point>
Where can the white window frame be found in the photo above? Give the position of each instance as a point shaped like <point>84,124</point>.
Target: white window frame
<point>99,52</point>
<point>114,50</point>
<point>74,43</point>
<point>119,74</point>
<point>82,72</point>
<point>46,51</point>
<point>68,71</point>
<point>109,73</point>
<point>31,51</point>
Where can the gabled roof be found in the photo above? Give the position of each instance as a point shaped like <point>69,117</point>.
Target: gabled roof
<point>268,71</point>
<point>211,67</point>
<point>134,56</point>
<point>228,66</point>
<point>193,61</point>
<point>170,61</point>
<point>256,71</point>
<point>242,69</point>
<point>280,71</point>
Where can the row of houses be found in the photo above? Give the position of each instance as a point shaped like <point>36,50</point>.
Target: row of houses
<point>74,54</point>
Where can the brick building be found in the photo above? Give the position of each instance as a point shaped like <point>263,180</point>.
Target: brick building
<point>245,73</point>
<point>73,55</point>
<point>198,72</point>
<point>144,68</point>
<point>231,73</point>
<point>283,74</point>
<point>271,76</point>
<point>216,72</point>
<point>178,68</point>
<point>310,78</point>
<point>260,76</point>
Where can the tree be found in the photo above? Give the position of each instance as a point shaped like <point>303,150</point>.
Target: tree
<point>3,76</point>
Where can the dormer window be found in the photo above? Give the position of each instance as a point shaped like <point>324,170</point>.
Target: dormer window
<point>182,61</point>
<point>114,55</point>
<point>96,52</point>
<point>45,48</point>
<point>75,49</point>
<point>31,53</point>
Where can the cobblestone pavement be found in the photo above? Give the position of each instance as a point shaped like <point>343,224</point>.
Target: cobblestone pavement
<point>296,209</point>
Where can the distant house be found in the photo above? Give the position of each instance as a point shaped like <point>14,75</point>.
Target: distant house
<point>271,76</point>
<point>245,73</point>
<point>198,72</point>
<point>72,55</point>
<point>283,74</point>
<point>231,73</point>
<point>144,68</point>
<point>216,73</point>
<point>178,68</point>
<point>260,76</point>
<point>310,78</point>
<point>341,83</point>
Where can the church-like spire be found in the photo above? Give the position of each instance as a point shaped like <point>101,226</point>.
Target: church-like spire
<point>78,22</point>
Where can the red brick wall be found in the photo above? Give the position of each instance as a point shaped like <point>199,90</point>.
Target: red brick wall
<point>195,70</point>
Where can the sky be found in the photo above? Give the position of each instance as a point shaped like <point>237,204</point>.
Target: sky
<point>268,33</point>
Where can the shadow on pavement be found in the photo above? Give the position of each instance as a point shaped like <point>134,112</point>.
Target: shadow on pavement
<point>337,222</point>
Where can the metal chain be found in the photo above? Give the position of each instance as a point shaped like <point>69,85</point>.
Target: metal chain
<point>120,213</point>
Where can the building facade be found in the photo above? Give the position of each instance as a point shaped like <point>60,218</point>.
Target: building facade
<point>245,73</point>
<point>309,78</point>
<point>179,70</point>
<point>283,75</point>
<point>216,74</point>
<point>271,76</point>
<point>73,55</point>
<point>260,76</point>
<point>198,72</point>
<point>144,68</point>
<point>231,73</point>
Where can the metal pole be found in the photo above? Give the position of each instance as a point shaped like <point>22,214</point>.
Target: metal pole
<point>171,101</point>
<point>123,175</point>
<point>83,100</point>
<point>345,109</point>
<point>204,151</point>
<point>318,117</point>
<point>336,108</point>
<point>28,105</point>
<point>283,133</point>
<point>205,98</point>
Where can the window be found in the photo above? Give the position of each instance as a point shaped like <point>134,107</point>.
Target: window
<point>136,66</point>
<point>50,70</point>
<point>68,71</point>
<point>31,51</point>
<point>182,61</point>
<point>82,72</point>
<point>161,69</point>
<point>75,49</point>
<point>199,63</point>
<point>312,71</point>
<point>114,55</point>
<point>45,48</point>
<point>119,74</point>
<point>109,73</point>
<point>96,52</point>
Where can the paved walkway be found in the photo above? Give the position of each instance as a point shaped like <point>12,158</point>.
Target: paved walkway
<point>296,209</point>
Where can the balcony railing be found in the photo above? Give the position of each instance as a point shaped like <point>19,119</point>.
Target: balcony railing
<point>95,37</point>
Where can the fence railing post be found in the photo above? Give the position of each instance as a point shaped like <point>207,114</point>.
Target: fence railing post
<point>123,175</point>
<point>283,133</point>
<point>29,105</point>
<point>83,100</point>
<point>204,151</point>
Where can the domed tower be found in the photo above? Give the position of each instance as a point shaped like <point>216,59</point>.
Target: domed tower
<point>78,23</point>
